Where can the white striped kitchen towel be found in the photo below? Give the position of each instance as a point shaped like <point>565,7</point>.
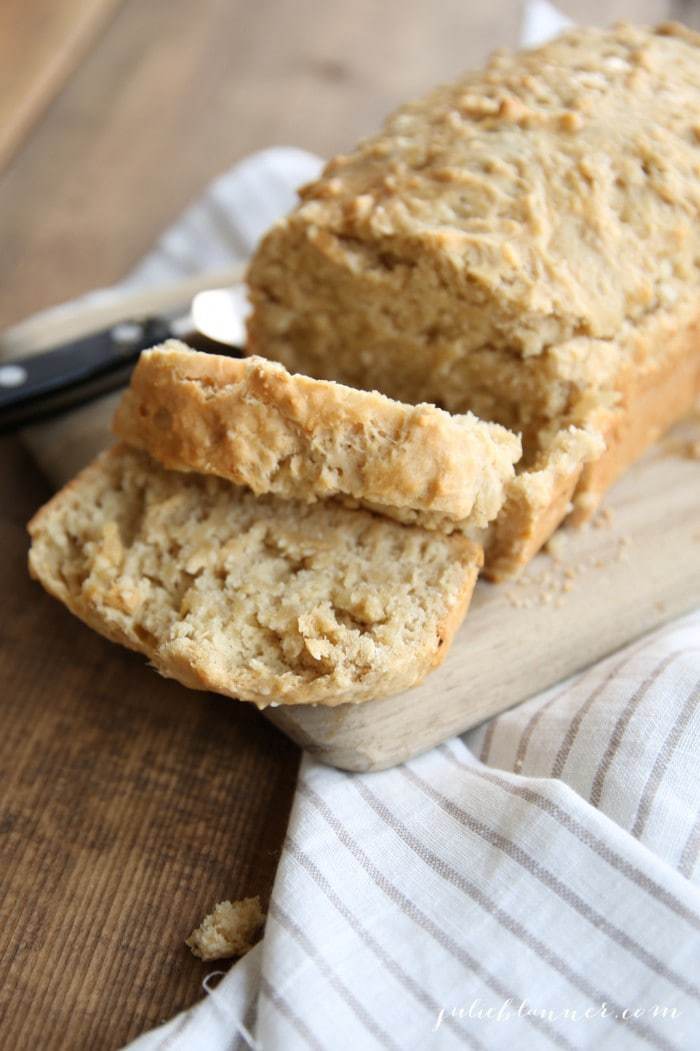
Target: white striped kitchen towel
<point>531,885</point>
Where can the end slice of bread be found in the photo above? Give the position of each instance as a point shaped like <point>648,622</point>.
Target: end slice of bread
<point>258,425</point>
<point>258,598</point>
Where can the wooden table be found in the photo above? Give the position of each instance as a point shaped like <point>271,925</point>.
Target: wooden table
<point>130,805</point>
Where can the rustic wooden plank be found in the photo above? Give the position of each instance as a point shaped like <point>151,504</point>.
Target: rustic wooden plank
<point>41,43</point>
<point>128,806</point>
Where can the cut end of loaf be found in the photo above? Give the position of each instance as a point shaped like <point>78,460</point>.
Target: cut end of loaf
<point>304,439</point>
<point>261,599</point>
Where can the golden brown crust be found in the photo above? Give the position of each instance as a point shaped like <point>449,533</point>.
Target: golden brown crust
<point>260,599</point>
<point>654,394</point>
<point>539,499</point>
<point>257,425</point>
<point>516,207</point>
<point>526,526</point>
<point>452,621</point>
<point>657,385</point>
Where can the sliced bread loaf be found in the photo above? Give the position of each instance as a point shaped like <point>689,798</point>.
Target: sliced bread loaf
<point>266,600</point>
<point>256,424</point>
<point>521,243</point>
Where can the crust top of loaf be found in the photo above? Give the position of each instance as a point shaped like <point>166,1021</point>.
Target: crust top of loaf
<point>257,598</point>
<point>254,423</point>
<point>556,192</point>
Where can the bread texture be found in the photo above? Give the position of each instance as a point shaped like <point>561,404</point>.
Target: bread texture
<point>518,244</point>
<point>257,425</point>
<point>266,600</point>
<point>658,384</point>
<point>230,929</point>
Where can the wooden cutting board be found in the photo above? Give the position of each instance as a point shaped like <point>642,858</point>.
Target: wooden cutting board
<point>635,566</point>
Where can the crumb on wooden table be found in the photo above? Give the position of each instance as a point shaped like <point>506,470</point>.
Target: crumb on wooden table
<point>230,929</point>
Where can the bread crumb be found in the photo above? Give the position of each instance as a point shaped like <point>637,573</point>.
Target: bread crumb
<point>604,519</point>
<point>555,546</point>
<point>230,929</point>
<point>551,584</point>
<point>686,449</point>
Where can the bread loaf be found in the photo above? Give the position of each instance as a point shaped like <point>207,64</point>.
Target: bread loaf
<point>523,244</point>
<point>302,439</point>
<point>266,600</point>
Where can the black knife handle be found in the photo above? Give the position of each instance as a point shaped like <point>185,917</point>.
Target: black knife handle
<point>42,385</point>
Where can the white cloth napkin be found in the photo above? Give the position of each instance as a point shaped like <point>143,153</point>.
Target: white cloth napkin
<point>529,885</point>
<point>533,884</point>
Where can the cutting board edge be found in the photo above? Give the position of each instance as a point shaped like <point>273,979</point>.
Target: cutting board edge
<point>292,721</point>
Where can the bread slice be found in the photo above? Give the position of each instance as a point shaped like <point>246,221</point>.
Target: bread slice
<point>258,598</point>
<point>538,500</point>
<point>521,244</point>
<point>256,424</point>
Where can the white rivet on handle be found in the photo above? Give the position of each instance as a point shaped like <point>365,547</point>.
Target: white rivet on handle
<point>12,375</point>
<point>127,332</point>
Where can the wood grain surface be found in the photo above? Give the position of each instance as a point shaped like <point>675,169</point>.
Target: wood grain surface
<point>128,804</point>
<point>41,43</point>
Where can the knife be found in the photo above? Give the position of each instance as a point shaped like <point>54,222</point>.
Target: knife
<point>39,386</point>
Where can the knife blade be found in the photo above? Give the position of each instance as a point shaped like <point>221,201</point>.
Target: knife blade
<point>39,386</point>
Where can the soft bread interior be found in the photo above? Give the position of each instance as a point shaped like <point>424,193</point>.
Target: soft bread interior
<point>259,598</point>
